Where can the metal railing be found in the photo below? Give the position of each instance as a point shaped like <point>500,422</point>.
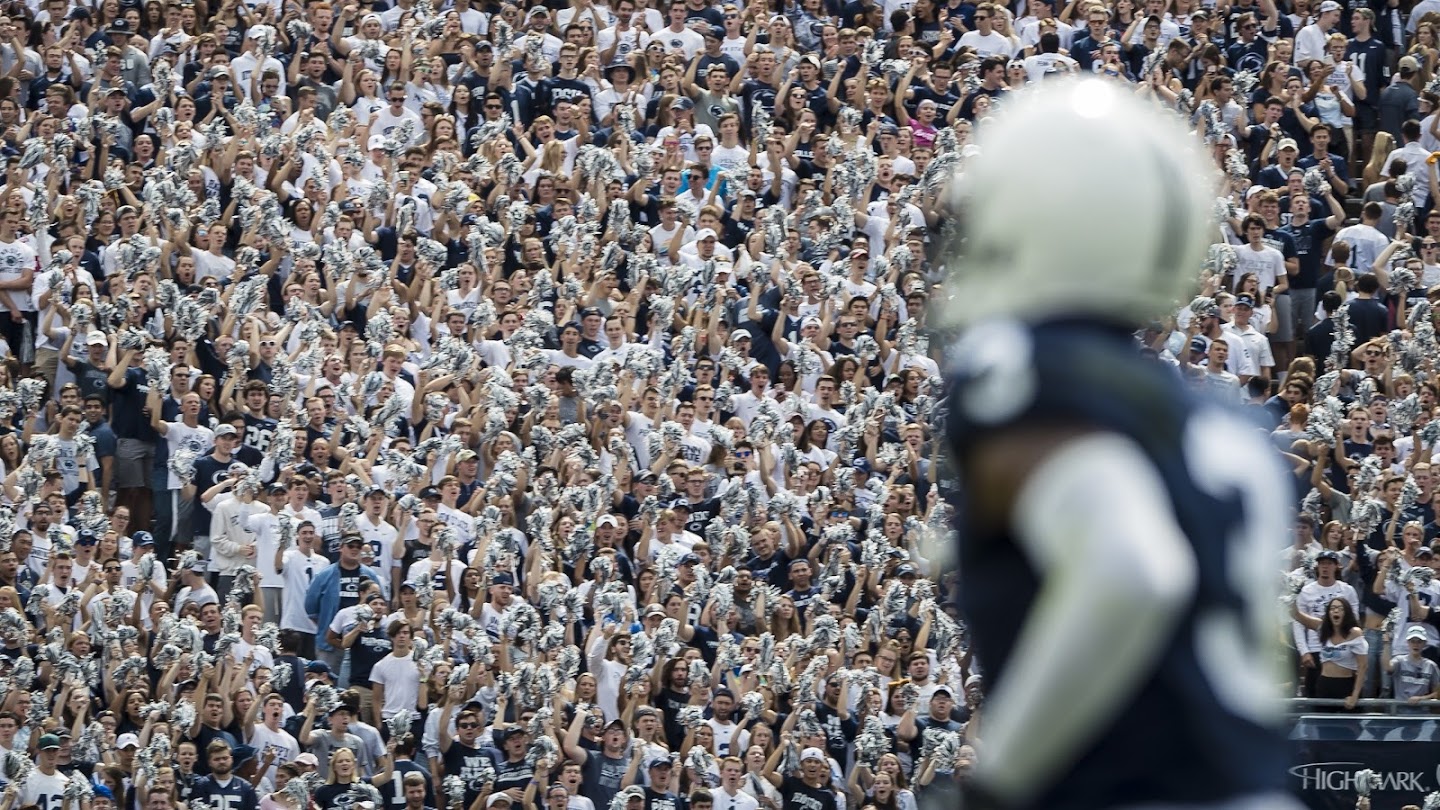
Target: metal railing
<point>1381,706</point>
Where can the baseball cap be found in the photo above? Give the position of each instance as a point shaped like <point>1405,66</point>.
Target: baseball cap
<point>506,733</point>
<point>943,690</point>
<point>142,539</point>
<point>682,103</point>
<point>1245,301</point>
<point>430,492</point>
<point>689,559</point>
<point>352,540</point>
<point>226,430</point>
<point>319,667</point>
<point>1327,554</point>
<point>309,759</point>
<point>377,141</point>
<point>905,570</point>
<point>706,233</point>
<point>497,797</point>
<point>96,338</point>
<point>238,466</point>
<point>1197,344</point>
<point>741,333</point>
<point>277,489</point>
<point>1287,143</point>
<point>1329,5</point>
<point>127,740</point>
<point>120,26</point>
<point>49,742</point>
<point>812,753</point>
<point>607,520</point>
<point>502,578</point>
<point>86,538</point>
<point>716,31</point>
<point>654,610</point>
<point>1409,64</point>
<point>659,762</point>
<point>78,13</point>
<point>1415,632</point>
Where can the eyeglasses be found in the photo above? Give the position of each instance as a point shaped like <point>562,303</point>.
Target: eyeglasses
<point>467,725</point>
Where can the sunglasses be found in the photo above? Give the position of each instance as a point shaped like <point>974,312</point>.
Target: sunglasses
<point>467,725</point>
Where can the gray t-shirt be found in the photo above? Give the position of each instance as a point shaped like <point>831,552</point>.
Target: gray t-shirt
<point>323,743</point>
<point>1414,678</point>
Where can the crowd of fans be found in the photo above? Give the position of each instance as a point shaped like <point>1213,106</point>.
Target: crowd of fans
<point>482,405</point>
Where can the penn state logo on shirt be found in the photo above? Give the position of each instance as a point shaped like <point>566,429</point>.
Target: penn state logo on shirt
<point>992,364</point>
<point>1251,61</point>
<point>716,110</point>
<point>677,43</point>
<point>193,443</point>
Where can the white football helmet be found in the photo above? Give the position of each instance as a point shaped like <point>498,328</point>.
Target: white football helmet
<point>1084,200</point>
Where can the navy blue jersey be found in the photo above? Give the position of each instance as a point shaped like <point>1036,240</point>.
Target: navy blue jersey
<point>1196,729</point>
<point>235,795</point>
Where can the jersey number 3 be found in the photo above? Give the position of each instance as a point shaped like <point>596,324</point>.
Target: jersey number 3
<point>1228,463</point>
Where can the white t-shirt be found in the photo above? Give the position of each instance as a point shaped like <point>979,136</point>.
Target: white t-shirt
<point>1366,244</point>
<point>1267,263</point>
<point>284,746</point>
<point>45,791</point>
<point>401,681</point>
<point>178,435</point>
<point>685,39</point>
<point>264,525</point>
<point>15,258</point>
<point>993,44</point>
<point>298,572</point>
<point>630,41</point>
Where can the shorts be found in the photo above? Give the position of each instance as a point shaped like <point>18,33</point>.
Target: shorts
<point>1284,319</point>
<point>1302,301</point>
<point>1366,118</point>
<point>133,462</point>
